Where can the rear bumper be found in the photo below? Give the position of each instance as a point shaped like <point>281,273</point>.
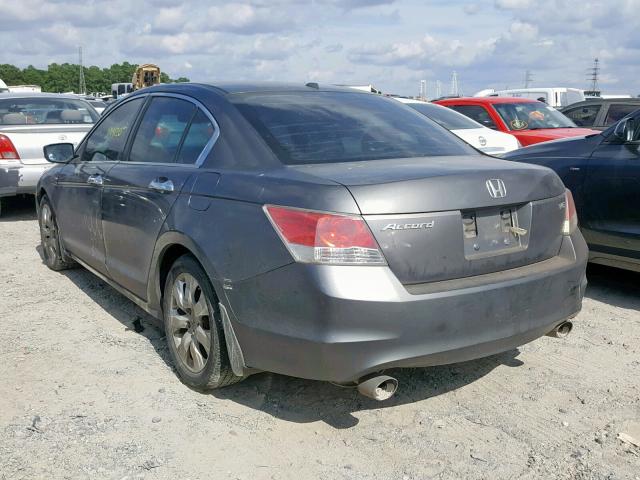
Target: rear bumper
<point>340,323</point>
<point>16,178</point>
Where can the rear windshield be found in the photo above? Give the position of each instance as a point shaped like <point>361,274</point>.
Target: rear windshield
<point>329,127</point>
<point>449,119</point>
<point>20,111</point>
<point>531,116</point>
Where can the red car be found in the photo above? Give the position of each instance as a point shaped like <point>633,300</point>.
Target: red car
<point>530,121</point>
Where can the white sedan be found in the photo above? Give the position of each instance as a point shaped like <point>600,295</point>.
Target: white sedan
<point>28,122</point>
<point>484,139</point>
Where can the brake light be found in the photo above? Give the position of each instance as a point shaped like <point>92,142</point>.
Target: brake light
<point>570,214</point>
<point>7,150</point>
<point>327,238</point>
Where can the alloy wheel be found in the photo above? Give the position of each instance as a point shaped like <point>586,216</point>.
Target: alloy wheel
<point>189,322</point>
<point>49,233</point>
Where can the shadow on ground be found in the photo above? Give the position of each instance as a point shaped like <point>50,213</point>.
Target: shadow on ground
<point>18,209</point>
<point>614,286</point>
<point>293,399</point>
<point>303,401</point>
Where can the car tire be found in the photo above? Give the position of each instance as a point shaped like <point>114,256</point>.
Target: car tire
<point>52,252</point>
<point>193,327</point>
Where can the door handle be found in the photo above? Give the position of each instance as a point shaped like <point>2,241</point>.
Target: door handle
<point>162,185</point>
<point>95,180</point>
<point>574,169</point>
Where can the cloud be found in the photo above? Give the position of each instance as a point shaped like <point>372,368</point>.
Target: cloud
<point>333,48</point>
<point>170,19</point>
<point>357,4</point>
<point>419,54</point>
<point>513,4</point>
<point>247,19</point>
<point>471,8</point>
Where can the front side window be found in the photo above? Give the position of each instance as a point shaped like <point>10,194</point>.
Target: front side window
<point>329,127</point>
<point>107,141</point>
<point>476,113</point>
<point>45,110</point>
<point>531,116</point>
<point>448,118</point>
<point>618,111</point>
<point>584,116</point>
<point>171,131</point>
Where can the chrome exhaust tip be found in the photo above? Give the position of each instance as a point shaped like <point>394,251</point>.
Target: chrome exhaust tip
<point>561,330</point>
<point>381,387</point>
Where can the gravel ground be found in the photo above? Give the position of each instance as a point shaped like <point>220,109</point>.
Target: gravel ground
<point>85,394</point>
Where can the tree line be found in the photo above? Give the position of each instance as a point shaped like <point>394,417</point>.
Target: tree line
<point>65,77</point>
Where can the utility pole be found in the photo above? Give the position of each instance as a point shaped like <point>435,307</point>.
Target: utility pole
<point>454,84</point>
<point>594,72</point>
<point>528,78</point>
<point>82,86</point>
<point>423,90</point>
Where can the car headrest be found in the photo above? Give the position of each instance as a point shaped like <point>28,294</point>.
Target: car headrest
<point>71,116</point>
<point>14,119</point>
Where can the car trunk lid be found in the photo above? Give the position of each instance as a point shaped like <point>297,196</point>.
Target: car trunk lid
<point>30,139</point>
<point>436,218</point>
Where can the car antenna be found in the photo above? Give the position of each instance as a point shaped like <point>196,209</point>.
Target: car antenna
<point>313,85</point>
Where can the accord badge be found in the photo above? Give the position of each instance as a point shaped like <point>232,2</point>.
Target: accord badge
<point>409,226</point>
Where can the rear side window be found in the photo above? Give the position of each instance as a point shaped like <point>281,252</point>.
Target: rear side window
<point>618,111</point>
<point>172,130</point>
<point>328,127</point>
<point>41,110</point>
<point>584,116</point>
<point>161,130</point>
<point>477,113</point>
<point>198,136</point>
<point>107,141</point>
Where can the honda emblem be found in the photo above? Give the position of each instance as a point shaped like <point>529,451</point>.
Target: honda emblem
<point>496,188</point>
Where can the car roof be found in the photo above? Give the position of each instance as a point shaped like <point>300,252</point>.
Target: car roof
<point>39,95</point>
<point>591,101</point>
<point>246,87</point>
<point>486,100</point>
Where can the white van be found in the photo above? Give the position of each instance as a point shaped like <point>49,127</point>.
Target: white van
<point>557,97</point>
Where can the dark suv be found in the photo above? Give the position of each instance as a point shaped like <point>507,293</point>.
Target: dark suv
<point>317,232</point>
<point>601,113</point>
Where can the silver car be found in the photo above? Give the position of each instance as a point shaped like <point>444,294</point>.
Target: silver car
<point>28,122</point>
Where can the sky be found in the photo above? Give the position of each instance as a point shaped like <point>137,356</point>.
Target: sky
<point>392,44</point>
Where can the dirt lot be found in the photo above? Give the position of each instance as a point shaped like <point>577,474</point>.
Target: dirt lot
<point>84,395</point>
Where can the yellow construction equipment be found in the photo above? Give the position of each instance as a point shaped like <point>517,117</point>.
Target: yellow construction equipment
<point>145,76</point>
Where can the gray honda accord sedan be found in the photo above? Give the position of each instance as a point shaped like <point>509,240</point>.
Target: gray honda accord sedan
<point>311,231</point>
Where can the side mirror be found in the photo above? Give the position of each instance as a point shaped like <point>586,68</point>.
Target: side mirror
<point>58,152</point>
<point>627,130</point>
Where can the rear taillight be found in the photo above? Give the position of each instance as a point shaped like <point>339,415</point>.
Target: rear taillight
<point>328,238</point>
<point>570,215</point>
<point>7,150</point>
